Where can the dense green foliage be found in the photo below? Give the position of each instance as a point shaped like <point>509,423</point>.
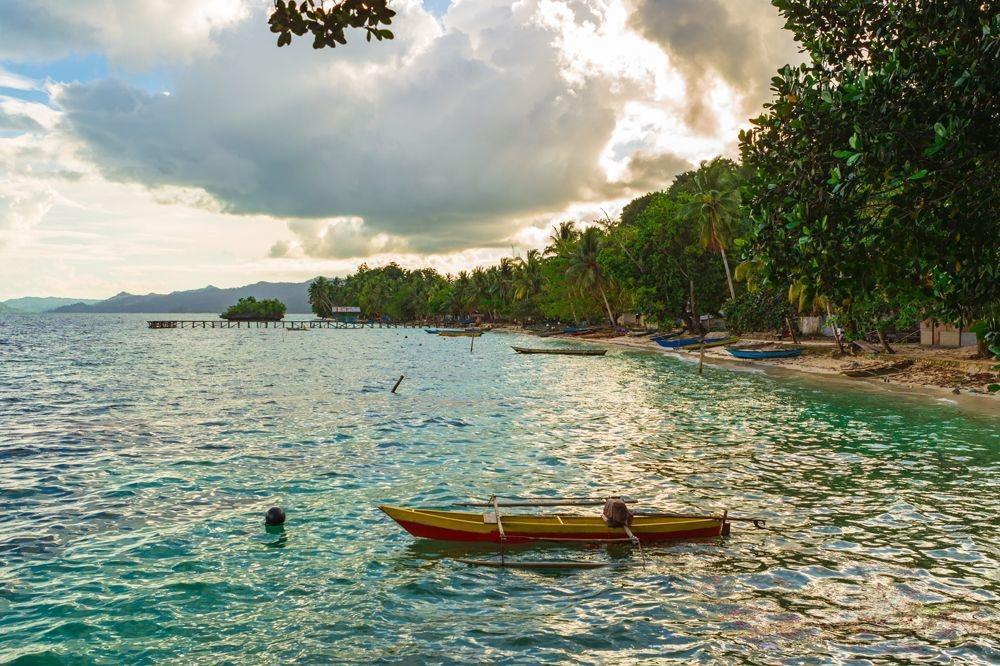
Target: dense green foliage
<point>869,188</point>
<point>760,310</point>
<point>662,251</point>
<point>874,177</point>
<point>250,308</point>
<point>327,22</point>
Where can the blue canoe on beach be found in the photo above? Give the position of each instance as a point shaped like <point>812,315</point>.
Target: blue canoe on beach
<point>435,331</point>
<point>750,353</point>
<point>674,343</point>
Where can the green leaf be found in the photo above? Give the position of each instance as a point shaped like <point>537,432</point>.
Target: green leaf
<point>853,159</point>
<point>917,175</point>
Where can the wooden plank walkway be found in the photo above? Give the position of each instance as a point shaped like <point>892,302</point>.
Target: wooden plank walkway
<point>286,324</point>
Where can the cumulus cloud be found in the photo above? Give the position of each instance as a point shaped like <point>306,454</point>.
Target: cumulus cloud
<point>440,140</point>
<point>741,41</point>
<point>132,33</point>
<point>341,238</point>
<point>22,205</point>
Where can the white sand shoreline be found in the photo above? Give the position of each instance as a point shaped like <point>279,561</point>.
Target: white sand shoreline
<point>818,365</point>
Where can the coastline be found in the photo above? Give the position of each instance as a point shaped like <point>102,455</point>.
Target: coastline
<point>940,375</point>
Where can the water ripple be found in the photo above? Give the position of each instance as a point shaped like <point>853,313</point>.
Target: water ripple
<point>135,467</point>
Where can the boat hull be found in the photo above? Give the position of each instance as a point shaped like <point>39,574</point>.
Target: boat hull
<point>460,334</point>
<point>674,343</point>
<point>520,529</point>
<point>562,352</point>
<point>751,354</point>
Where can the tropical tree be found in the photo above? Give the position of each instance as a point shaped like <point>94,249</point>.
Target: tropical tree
<point>873,171</point>
<point>584,269</point>
<point>715,208</point>
<point>528,278</point>
<point>328,22</point>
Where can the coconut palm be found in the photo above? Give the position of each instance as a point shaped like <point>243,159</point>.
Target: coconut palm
<point>528,278</point>
<point>715,208</point>
<point>320,295</point>
<point>562,238</point>
<point>584,268</point>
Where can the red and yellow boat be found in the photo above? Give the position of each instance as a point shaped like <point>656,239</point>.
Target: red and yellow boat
<point>517,528</point>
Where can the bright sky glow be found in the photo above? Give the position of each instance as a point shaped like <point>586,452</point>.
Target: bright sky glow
<point>198,153</point>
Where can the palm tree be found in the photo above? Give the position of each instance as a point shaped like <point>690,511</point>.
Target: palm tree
<point>715,209</point>
<point>584,268</point>
<point>562,238</point>
<point>321,296</point>
<point>528,278</point>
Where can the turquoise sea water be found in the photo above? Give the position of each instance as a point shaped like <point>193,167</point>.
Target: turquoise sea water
<point>136,465</point>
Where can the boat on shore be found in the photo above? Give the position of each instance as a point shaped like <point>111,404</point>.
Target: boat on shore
<point>764,351</point>
<point>460,334</point>
<point>438,331</point>
<point>879,369</point>
<point>712,342</point>
<point>563,351</point>
<point>676,343</point>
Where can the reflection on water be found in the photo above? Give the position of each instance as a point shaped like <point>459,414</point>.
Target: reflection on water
<point>136,467</point>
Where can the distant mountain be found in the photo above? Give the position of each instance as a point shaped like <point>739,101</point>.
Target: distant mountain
<point>6,309</point>
<point>209,299</point>
<point>34,304</point>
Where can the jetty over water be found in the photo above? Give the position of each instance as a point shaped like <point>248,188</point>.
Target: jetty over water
<point>285,324</point>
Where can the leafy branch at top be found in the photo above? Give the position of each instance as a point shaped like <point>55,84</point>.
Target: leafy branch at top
<point>328,21</point>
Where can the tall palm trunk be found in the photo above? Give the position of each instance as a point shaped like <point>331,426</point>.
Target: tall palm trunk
<point>611,316</point>
<point>729,275</point>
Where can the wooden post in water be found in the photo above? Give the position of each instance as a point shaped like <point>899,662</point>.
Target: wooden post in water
<point>398,382</point>
<point>701,355</point>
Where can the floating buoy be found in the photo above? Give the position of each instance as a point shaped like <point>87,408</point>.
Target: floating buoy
<point>275,516</point>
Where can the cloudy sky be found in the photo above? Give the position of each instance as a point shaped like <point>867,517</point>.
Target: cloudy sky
<point>155,145</point>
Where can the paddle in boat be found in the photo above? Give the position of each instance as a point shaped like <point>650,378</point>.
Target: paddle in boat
<point>504,529</point>
<point>561,351</point>
<point>764,352</point>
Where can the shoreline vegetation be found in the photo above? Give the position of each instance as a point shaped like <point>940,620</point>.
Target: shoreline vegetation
<point>250,309</point>
<point>865,195</point>
<point>953,375</point>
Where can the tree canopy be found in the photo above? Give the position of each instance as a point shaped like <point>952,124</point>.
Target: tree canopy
<point>873,174</point>
<point>329,23</point>
<point>250,308</point>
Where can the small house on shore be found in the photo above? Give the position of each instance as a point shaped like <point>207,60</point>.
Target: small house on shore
<point>347,314</point>
<point>936,334</point>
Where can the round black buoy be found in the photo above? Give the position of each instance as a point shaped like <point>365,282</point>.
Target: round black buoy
<point>275,516</point>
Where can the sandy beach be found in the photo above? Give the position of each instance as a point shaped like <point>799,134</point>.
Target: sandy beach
<point>939,373</point>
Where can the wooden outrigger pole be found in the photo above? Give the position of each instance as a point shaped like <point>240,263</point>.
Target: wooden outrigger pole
<point>493,526</point>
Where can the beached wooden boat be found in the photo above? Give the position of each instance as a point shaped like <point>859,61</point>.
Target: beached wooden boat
<point>460,334</point>
<point>436,331</point>
<point>758,352</point>
<point>712,342</point>
<point>675,343</point>
<point>521,529</point>
<point>565,352</point>
<point>879,369</point>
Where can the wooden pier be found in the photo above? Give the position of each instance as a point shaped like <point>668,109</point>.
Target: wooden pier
<point>285,324</point>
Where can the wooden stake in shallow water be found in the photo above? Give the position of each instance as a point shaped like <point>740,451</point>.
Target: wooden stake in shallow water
<point>701,356</point>
<point>398,382</point>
